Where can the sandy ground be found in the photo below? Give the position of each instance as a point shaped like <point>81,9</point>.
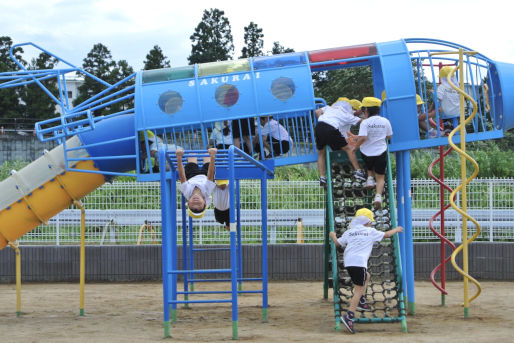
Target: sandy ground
<point>132,312</point>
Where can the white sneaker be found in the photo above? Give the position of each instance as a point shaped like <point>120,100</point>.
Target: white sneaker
<point>370,182</point>
<point>432,133</point>
<point>377,202</point>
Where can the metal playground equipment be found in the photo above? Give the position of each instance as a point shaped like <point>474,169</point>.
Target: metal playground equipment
<point>119,130</point>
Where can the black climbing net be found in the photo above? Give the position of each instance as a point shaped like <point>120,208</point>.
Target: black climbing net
<point>382,293</point>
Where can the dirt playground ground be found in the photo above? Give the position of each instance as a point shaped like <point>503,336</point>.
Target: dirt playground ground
<point>132,312</point>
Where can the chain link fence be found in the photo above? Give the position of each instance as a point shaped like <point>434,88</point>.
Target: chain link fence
<point>129,213</point>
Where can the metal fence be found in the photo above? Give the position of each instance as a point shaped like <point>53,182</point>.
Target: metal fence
<point>128,212</point>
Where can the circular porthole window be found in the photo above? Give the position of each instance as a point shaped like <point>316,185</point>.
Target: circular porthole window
<point>170,102</point>
<point>226,95</point>
<point>282,88</point>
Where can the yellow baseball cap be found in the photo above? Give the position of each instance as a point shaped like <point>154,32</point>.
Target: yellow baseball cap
<point>419,101</point>
<point>195,214</point>
<point>356,104</point>
<point>221,182</point>
<point>343,99</point>
<point>370,101</point>
<point>148,133</point>
<point>366,213</point>
<point>445,71</point>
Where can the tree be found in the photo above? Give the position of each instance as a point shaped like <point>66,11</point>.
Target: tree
<point>10,106</point>
<point>351,82</point>
<point>212,39</point>
<point>253,40</point>
<point>39,105</point>
<point>121,71</point>
<point>279,49</point>
<point>155,59</point>
<point>98,62</point>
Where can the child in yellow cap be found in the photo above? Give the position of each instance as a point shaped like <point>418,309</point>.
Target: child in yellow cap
<point>373,132</point>
<point>359,239</point>
<point>197,184</point>
<point>333,123</point>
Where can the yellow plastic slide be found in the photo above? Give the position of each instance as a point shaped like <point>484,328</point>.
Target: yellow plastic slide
<point>42,189</point>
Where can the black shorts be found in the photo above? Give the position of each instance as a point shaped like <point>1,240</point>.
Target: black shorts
<point>326,134</point>
<point>191,170</point>
<point>247,129</point>
<point>358,275</point>
<point>222,217</point>
<point>377,164</point>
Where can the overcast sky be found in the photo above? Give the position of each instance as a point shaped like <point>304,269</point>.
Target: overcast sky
<point>130,29</point>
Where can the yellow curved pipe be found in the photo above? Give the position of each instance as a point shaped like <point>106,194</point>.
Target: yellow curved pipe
<point>46,201</point>
<point>465,241</point>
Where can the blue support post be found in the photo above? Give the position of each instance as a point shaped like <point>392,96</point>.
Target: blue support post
<point>264,234</point>
<point>409,248</point>
<point>166,253</point>
<point>401,218</point>
<point>185,263</point>
<point>191,253</point>
<point>233,257</point>
<point>239,238</point>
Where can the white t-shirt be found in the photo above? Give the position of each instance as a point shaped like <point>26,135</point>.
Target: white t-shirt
<point>205,185</point>
<point>277,131</point>
<point>339,116</point>
<point>221,198</point>
<point>376,129</point>
<point>359,241</point>
<point>218,137</point>
<point>449,99</point>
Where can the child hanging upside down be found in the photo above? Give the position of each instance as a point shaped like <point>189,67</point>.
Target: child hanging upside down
<point>197,184</point>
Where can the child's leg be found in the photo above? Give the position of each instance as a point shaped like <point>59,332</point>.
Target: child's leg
<point>352,157</point>
<point>322,162</point>
<point>358,292</point>
<point>380,179</point>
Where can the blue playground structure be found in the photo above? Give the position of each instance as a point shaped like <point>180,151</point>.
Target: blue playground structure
<point>115,130</point>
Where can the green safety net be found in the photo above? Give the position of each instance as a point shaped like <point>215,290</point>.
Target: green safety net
<point>383,293</point>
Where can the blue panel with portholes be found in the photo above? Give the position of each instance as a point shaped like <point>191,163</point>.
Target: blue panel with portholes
<point>277,85</point>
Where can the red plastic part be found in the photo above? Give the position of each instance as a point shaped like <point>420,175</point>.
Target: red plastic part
<point>342,53</point>
<point>441,266</point>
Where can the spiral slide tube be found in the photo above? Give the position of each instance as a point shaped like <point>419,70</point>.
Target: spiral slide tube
<point>462,187</point>
<point>441,235</point>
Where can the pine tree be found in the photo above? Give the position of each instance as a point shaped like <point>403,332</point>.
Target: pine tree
<point>155,59</point>
<point>38,105</point>
<point>253,41</point>
<point>212,39</point>
<point>98,62</point>
<point>279,49</point>
<point>10,106</point>
<point>121,71</point>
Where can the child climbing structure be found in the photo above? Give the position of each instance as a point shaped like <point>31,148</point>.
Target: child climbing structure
<point>345,196</point>
<point>111,131</point>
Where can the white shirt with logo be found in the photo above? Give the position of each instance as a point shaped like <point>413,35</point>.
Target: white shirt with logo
<point>339,117</point>
<point>205,185</point>
<point>375,129</point>
<point>359,240</point>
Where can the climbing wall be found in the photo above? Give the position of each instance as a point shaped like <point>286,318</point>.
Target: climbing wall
<point>384,290</point>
